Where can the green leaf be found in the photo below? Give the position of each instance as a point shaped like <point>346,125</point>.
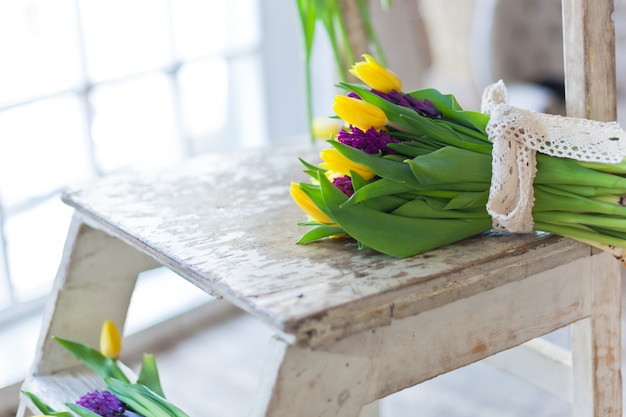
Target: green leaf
<point>315,194</point>
<point>385,204</point>
<point>320,232</point>
<point>357,181</point>
<point>382,167</point>
<point>149,374</point>
<point>81,411</point>
<point>96,361</point>
<point>442,134</point>
<point>452,165</point>
<point>469,200</point>
<point>411,151</point>
<point>43,407</point>
<point>451,110</point>
<point>425,209</point>
<point>311,167</point>
<point>143,400</point>
<point>161,401</point>
<point>396,235</point>
<point>135,400</point>
<point>379,188</point>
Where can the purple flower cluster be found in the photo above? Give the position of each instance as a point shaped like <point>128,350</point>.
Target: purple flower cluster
<point>424,108</point>
<point>102,403</point>
<point>344,184</point>
<point>370,141</point>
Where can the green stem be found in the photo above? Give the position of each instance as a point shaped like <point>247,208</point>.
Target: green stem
<point>309,97</point>
<point>343,62</point>
<point>369,30</point>
<point>308,18</point>
<point>578,233</point>
<point>558,217</point>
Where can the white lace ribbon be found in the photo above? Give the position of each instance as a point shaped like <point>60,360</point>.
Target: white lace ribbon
<point>518,134</point>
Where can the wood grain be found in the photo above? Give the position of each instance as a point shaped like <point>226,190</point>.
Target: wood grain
<point>227,224</point>
<point>589,47</point>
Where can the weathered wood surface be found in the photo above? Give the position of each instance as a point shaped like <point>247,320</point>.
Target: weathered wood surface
<point>227,223</point>
<point>589,48</point>
<point>598,381</point>
<point>369,365</point>
<point>94,283</point>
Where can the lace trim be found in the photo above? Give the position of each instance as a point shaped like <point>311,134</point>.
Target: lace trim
<point>517,135</point>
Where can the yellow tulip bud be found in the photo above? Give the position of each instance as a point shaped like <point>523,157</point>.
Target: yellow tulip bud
<point>326,128</point>
<point>359,113</point>
<point>110,340</point>
<point>376,76</point>
<point>306,204</point>
<point>336,162</point>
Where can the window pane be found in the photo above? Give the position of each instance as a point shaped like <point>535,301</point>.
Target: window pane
<point>199,27</point>
<point>203,94</point>
<point>39,51</point>
<point>5,291</point>
<point>35,244</point>
<point>41,148</point>
<point>133,123</point>
<point>125,37</point>
<point>247,101</point>
<point>244,30</point>
<point>209,28</point>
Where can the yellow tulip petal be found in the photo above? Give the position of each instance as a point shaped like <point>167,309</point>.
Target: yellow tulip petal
<point>376,76</point>
<point>307,205</point>
<point>326,128</point>
<point>110,340</point>
<point>359,113</point>
<point>336,162</point>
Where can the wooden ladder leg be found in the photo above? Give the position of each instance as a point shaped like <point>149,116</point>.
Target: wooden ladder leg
<point>298,381</point>
<point>589,45</point>
<point>94,283</point>
<point>596,345</point>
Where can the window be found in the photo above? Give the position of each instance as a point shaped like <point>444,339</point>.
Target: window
<point>90,87</point>
<point>94,86</point>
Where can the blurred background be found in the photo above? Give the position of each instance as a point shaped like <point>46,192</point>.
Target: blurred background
<point>91,87</point>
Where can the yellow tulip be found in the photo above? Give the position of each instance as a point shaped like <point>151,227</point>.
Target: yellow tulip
<point>306,204</point>
<point>326,128</point>
<point>376,76</point>
<point>110,340</point>
<point>336,162</point>
<point>359,113</point>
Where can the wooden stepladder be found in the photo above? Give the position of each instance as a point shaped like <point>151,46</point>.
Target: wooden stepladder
<point>350,326</point>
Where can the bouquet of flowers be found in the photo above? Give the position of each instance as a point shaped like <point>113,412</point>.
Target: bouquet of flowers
<point>144,398</point>
<point>410,172</point>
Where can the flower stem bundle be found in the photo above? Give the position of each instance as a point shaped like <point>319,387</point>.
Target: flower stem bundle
<point>423,174</point>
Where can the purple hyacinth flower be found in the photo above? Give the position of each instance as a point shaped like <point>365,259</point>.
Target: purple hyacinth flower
<point>370,141</point>
<point>102,403</point>
<point>424,108</point>
<point>344,184</point>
